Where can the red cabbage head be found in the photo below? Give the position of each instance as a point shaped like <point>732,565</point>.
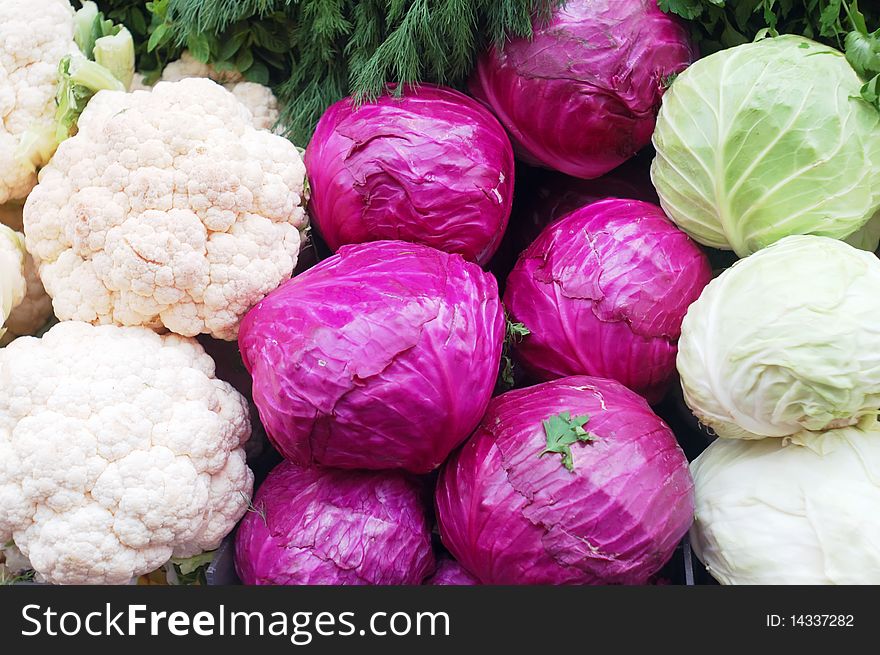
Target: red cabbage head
<point>603,292</point>
<point>382,356</point>
<point>582,95</point>
<point>318,526</point>
<point>432,166</point>
<point>574,481</point>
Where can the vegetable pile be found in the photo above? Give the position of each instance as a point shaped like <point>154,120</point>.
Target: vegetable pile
<point>364,293</point>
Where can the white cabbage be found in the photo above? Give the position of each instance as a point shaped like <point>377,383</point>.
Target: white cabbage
<point>765,140</point>
<point>785,340</point>
<point>801,510</point>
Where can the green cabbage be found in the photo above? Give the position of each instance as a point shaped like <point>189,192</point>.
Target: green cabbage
<point>765,140</point>
<point>804,510</point>
<point>785,341</point>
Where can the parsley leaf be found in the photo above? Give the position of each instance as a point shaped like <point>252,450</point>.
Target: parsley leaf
<point>562,431</point>
<point>514,334</point>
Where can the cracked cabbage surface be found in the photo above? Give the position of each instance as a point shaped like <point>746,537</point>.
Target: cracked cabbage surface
<point>327,526</point>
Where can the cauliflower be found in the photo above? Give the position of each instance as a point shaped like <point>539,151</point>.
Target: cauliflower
<point>119,449</point>
<point>34,36</point>
<point>34,310</point>
<point>168,209</point>
<point>13,286</point>
<point>259,99</point>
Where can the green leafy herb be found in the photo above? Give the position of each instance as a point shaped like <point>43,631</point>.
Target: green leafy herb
<point>314,52</point>
<point>155,46</point>
<point>514,334</point>
<point>668,80</point>
<point>24,576</point>
<point>562,432</point>
<point>863,53</point>
<point>719,24</point>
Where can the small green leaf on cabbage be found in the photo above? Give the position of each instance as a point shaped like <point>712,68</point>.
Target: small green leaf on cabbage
<point>562,431</point>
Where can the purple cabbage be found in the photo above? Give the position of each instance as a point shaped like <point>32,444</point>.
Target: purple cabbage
<point>603,292</point>
<point>432,167</point>
<point>544,196</point>
<point>382,356</point>
<point>317,526</point>
<point>450,573</point>
<point>582,95</point>
<point>513,513</point>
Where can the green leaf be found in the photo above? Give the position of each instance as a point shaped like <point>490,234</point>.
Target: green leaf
<point>189,565</point>
<point>562,431</point>
<point>229,47</point>
<point>871,92</point>
<point>856,17</point>
<point>244,59</point>
<point>137,22</point>
<point>829,19</point>
<point>516,332</point>
<point>159,35</point>
<point>258,72</point>
<point>199,47</point>
<point>863,53</point>
<point>667,81</point>
<point>26,576</point>
<point>684,8</point>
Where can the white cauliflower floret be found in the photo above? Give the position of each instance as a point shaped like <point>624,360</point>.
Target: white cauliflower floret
<point>167,209</point>
<point>259,99</point>
<point>189,66</point>
<point>34,36</point>
<point>13,286</point>
<point>119,449</point>
<point>35,309</point>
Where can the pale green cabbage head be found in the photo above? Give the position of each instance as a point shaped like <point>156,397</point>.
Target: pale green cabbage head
<point>785,340</point>
<point>766,140</point>
<point>801,510</point>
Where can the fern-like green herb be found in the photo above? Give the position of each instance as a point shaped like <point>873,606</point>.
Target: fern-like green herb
<point>315,52</point>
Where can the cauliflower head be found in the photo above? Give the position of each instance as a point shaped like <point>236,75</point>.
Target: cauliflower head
<point>13,286</point>
<point>34,310</point>
<point>170,209</point>
<point>118,450</point>
<point>34,36</point>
